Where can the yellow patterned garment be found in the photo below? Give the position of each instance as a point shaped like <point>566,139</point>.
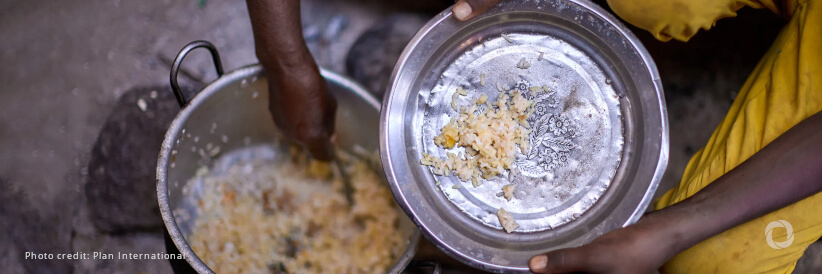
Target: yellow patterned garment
<point>784,89</point>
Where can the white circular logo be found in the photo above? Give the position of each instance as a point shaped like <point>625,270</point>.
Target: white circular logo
<point>769,234</point>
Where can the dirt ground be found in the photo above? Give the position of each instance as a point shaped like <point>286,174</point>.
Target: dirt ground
<point>66,63</point>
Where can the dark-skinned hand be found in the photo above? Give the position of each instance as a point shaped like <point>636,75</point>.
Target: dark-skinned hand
<point>638,248</point>
<point>298,99</point>
<point>302,107</point>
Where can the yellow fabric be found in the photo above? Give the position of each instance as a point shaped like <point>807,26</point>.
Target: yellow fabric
<point>681,19</point>
<point>784,89</point>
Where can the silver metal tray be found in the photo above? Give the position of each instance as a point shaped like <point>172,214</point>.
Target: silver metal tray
<point>599,139</point>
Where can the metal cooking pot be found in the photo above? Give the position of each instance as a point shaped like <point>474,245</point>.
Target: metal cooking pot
<point>231,113</point>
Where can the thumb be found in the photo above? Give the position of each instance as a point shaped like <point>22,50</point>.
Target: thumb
<point>467,9</point>
<point>560,261</point>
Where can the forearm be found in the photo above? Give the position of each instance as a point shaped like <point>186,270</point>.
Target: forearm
<point>787,170</point>
<point>278,36</point>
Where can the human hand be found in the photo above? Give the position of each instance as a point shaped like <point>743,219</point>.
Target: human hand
<point>467,9</point>
<point>639,248</point>
<point>302,107</point>
<point>298,100</point>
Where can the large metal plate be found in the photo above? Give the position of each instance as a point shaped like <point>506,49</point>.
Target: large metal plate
<point>576,140</point>
<point>607,104</point>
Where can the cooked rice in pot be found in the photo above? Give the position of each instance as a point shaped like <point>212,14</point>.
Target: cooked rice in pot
<point>291,217</point>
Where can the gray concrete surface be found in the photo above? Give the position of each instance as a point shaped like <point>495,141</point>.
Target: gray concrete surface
<point>65,63</point>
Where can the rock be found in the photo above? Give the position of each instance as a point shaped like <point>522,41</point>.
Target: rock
<point>121,188</point>
<point>372,57</point>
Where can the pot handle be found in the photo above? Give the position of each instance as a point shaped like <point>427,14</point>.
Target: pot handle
<point>175,67</point>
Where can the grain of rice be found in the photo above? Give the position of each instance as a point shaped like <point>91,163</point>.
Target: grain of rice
<point>482,79</point>
<point>506,220</point>
<point>523,64</point>
<point>508,191</point>
<point>462,91</point>
<point>482,99</point>
<point>214,151</point>
<point>142,104</point>
<point>454,101</point>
